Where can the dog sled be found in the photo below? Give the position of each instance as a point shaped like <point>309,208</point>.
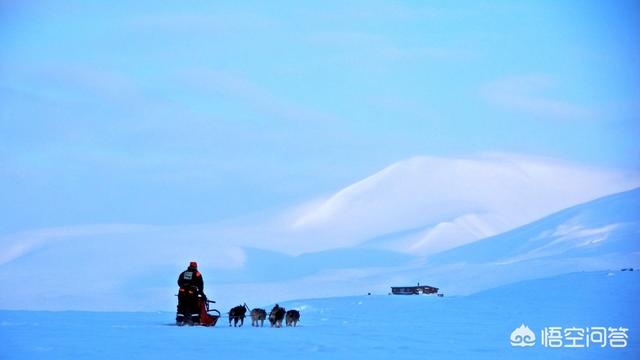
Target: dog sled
<point>200,313</point>
<point>195,310</point>
<point>208,316</point>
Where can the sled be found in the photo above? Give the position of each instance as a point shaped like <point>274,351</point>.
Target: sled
<point>208,317</point>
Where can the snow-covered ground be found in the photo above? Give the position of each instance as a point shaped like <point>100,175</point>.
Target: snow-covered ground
<point>470,327</point>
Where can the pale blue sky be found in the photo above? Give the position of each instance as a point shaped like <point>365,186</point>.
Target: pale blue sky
<point>179,112</point>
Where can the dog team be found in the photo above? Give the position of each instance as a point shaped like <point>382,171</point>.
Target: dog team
<point>277,314</point>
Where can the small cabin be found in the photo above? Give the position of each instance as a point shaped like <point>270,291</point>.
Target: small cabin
<point>413,290</point>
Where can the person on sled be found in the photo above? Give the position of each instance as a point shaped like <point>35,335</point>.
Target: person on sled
<point>191,288</point>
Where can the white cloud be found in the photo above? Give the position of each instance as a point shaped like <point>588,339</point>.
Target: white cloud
<point>203,23</point>
<point>527,94</point>
<point>215,83</point>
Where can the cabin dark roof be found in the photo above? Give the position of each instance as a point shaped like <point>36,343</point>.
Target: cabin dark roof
<point>414,290</point>
<point>413,287</point>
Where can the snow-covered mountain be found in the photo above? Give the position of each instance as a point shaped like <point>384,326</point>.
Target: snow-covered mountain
<point>450,201</point>
<point>394,227</point>
<point>99,274</point>
<point>598,235</point>
<point>609,225</point>
<point>601,234</point>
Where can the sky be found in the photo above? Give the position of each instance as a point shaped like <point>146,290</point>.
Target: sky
<point>179,113</point>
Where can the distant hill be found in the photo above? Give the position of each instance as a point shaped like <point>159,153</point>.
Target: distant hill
<point>420,220</point>
<point>426,204</point>
<point>598,235</point>
<point>609,225</point>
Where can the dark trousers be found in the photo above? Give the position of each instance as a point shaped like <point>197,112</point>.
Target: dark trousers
<point>188,309</point>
